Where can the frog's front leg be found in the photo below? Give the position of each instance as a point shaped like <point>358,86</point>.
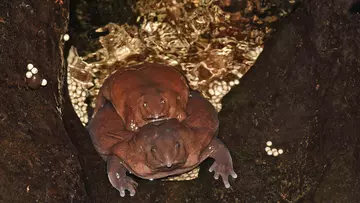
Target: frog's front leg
<point>223,162</point>
<point>99,103</point>
<point>118,178</point>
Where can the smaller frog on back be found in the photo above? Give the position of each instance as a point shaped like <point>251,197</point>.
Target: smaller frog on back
<point>145,93</point>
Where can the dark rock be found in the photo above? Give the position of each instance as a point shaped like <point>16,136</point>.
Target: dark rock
<point>303,95</point>
<point>38,162</point>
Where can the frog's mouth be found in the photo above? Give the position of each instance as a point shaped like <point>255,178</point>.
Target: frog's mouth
<point>157,120</point>
<point>166,168</point>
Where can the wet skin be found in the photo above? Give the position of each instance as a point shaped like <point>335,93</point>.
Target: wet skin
<point>160,149</point>
<point>145,93</point>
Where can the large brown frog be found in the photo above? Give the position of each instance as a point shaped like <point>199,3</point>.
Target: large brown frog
<point>162,148</point>
<point>145,93</point>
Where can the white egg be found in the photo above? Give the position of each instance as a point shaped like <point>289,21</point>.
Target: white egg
<point>34,70</point>
<point>30,66</point>
<point>28,74</point>
<point>280,151</point>
<point>211,92</point>
<point>66,37</point>
<point>43,82</point>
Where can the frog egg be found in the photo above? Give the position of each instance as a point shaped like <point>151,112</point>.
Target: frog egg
<point>236,81</point>
<point>239,75</point>
<point>43,82</point>
<point>83,108</point>
<point>269,152</point>
<point>275,153</point>
<point>269,143</point>
<point>73,88</point>
<point>231,83</point>
<point>78,92</point>
<point>211,92</point>
<point>66,37</point>
<point>28,74</point>
<point>30,66</point>
<point>83,94</point>
<point>217,93</point>
<point>34,70</point>
<point>280,151</point>
<point>267,149</point>
<point>274,150</point>
<point>219,88</point>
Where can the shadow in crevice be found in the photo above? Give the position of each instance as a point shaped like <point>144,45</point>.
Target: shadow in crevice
<point>355,8</point>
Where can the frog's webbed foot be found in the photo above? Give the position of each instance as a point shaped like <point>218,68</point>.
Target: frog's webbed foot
<point>224,170</point>
<point>122,183</point>
<point>222,165</point>
<point>118,178</point>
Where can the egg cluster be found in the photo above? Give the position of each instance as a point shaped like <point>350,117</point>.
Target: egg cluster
<point>79,80</point>
<point>185,176</point>
<point>33,78</point>
<point>78,94</point>
<point>272,151</point>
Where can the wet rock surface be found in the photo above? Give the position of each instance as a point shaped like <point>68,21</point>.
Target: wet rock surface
<point>38,162</point>
<point>302,94</point>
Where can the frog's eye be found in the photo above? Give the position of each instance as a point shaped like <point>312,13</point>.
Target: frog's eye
<point>162,101</point>
<point>177,145</point>
<point>145,104</point>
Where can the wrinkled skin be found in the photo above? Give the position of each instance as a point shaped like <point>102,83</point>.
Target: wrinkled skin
<point>160,149</point>
<point>145,93</point>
